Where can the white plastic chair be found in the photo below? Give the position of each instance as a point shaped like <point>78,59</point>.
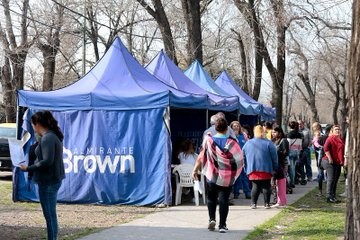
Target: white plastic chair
<point>184,179</point>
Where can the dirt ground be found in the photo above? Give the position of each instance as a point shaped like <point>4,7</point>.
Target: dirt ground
<point>25,220</point>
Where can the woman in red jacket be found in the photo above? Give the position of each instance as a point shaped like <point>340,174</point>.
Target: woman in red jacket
<point>334,150</point>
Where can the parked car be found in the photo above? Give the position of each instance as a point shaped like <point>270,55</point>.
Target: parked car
<point>7,130</point>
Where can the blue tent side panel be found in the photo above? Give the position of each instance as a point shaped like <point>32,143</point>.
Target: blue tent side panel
<point>109,160</point>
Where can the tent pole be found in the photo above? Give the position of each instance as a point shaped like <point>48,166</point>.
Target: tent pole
<point>207,118</point>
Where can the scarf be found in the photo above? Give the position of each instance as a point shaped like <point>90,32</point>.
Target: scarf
<point>221,167</point>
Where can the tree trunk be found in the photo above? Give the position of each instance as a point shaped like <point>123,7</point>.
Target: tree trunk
<point>49,54</point>
<point>243,63</point>
<point>248,9</point>
<point>191,10</point>
<point>352,228</point>
<point>258,74</point>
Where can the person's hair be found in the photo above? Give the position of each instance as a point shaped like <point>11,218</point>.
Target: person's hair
<point>280,131</point>
<point>316,126</point>
<point>220,115</point>
<point>235,122</point>
<point>46,119</point>
<point>294,125</point>
<point>268,125</point>
<point>221,125</point>
<point>213,119</point>
<point>186,147</point>
<point>332,129</point>
<point>328,128</point>
<point>258,131</point>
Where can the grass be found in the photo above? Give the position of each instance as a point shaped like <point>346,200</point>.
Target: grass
<point>24,220</point>
<point>308,218</point>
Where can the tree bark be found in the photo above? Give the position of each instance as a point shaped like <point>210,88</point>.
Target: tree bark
<point>12,75</point>
<point>243,63</point>
<point>191,10</point>
<point>352,227</point>
<point>50,48</point>
<point>248,9</point>
<point>161,19</point>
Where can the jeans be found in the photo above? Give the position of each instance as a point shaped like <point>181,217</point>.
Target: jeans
<point>222,194</point>
<point>258,185</point>
<point>293,158</point>
<point>242,182</point>
<point>306,159</point>
<point>333,172</point>
<point>48,198</point>
<point>320,178</point>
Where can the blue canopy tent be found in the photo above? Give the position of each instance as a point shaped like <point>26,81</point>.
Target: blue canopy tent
<point>225,82</point>
<point>228,84</point>
<point>200,77</point>
<point>187,124</point>
<point>166,71</point>
<point>115,121</point>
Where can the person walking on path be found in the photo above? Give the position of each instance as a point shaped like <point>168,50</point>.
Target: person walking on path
<point>241,182</point>
<point>222,161</point>
<point>305,153</point>
<point>295,139</point>
<point>318,147</point>
<point>282,147</point>
<point>334,149</point>
<point>48,168</point>
<point>261,161</point>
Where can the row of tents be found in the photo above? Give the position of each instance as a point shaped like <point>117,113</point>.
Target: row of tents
<point>118,136</point>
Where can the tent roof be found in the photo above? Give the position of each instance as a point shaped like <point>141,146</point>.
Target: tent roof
<point>228,84</point>
<point>116,82</point>
<point>199,76</point>
<point>225,82</point>
<point>164,69</point>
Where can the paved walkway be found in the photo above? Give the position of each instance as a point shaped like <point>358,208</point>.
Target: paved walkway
<point>190,222</point>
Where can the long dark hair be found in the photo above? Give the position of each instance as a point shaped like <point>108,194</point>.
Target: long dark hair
<point>280,131</point>
<point>46,119</point>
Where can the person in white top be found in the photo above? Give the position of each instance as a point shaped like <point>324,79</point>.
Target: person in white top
<point>188,154</point>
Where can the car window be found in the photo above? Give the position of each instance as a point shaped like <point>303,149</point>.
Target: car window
<point>7,132</point>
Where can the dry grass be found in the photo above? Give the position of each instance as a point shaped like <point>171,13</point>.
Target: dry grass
<point>23,220</point>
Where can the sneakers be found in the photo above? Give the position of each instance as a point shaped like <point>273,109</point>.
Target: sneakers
<point>343,194</point>
<point>212,225</point>
<point>267,206</point>
<point>279,206</point>
<point>253,206</point>
<point>331,200</point>
<point>223,229</point>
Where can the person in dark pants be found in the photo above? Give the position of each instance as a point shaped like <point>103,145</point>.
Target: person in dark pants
<point>334,149</point>
<point>222,161</point>
<point>261,162</point>
<point>48,168</point>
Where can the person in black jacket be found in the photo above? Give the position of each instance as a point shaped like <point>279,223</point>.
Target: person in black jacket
<point>282,147</point>
<point>48,168</point>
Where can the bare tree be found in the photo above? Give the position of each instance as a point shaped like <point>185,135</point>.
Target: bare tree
<point>192,15</point>
<point>49,42</point>
<point>352,228</point>
<point>304,76</point>
<point>158,13</point>
<point>248,10</point>
<point>12,72</point>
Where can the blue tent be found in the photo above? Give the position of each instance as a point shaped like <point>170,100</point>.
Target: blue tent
<point>164,69</point>
<point>225,82</point>
<point>199,76</point>
<point>115,121</point>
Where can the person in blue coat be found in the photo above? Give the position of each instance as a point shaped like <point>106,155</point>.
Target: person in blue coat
<point>261,161</point>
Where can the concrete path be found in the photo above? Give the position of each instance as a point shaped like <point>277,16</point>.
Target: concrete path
<point>190,222</point>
